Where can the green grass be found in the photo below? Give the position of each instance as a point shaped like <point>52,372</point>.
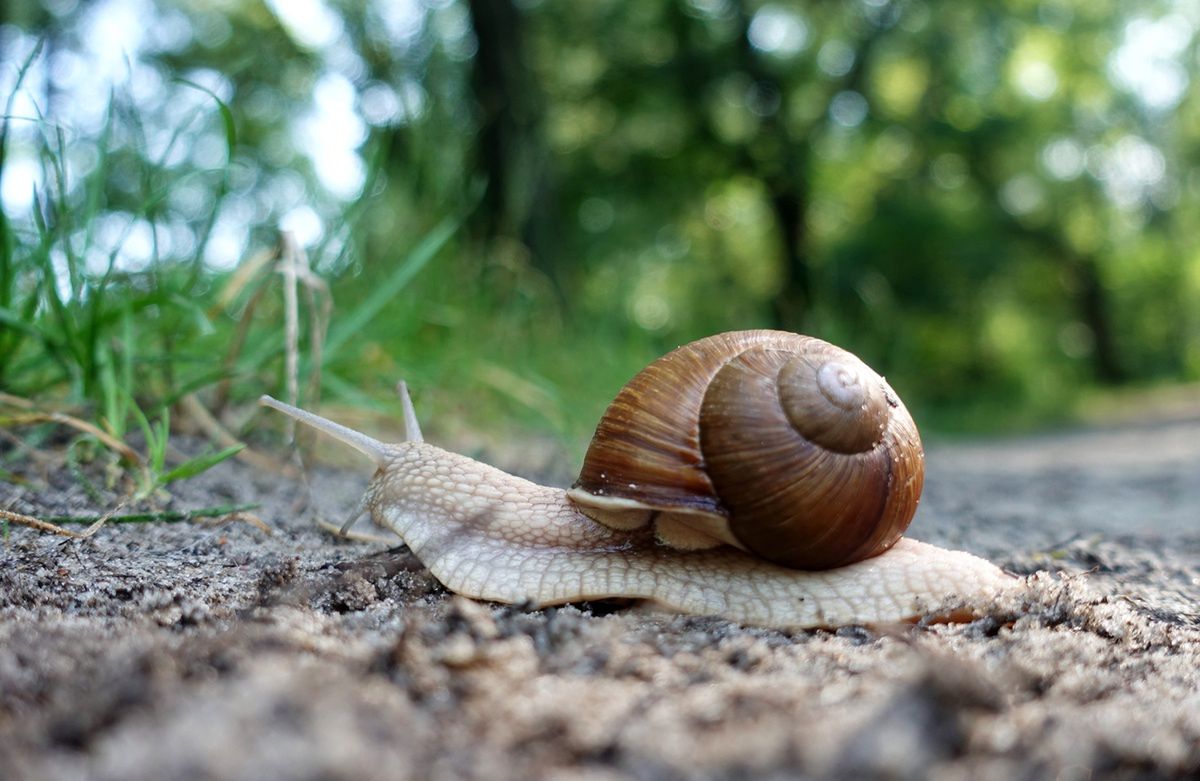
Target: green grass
<point>73,331</point>
<point>94,339</point>
<point>82,342</point>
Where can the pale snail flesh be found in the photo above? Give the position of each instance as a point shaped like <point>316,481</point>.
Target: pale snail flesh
<point>643,522</point>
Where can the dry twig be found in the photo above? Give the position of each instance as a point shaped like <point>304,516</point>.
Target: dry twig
<point>78,424</point>
<point>236,512</point>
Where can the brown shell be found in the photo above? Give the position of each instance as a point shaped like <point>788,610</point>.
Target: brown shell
<point>805,450</point>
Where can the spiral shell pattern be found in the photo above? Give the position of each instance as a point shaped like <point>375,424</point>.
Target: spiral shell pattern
<point>807,452</point>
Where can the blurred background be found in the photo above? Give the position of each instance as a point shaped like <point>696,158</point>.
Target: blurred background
<point>517,204</point>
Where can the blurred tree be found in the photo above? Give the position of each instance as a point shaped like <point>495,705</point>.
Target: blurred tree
<point>519,202</point>
<point>986,201</point>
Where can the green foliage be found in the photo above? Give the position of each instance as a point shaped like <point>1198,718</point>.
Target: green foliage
<point>75,319</point>
<point>993,204</point>
<point>155,474</point>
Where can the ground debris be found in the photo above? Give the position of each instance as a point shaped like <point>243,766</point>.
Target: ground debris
<point>185,650</point>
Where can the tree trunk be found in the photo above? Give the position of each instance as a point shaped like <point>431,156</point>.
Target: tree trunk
<point>1095,310</point>
<point>790,305</point>
<point>518,200</point>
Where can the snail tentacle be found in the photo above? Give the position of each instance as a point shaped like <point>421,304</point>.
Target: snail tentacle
<point>412,427</point>
<point>352,517</point>
<point>369,446</point>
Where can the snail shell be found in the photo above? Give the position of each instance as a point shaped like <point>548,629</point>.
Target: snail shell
<point>780,444</point>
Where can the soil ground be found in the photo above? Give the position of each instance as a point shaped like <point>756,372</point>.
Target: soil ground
<point>216,650</point>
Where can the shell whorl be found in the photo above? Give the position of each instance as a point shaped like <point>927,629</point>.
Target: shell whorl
<point>833,399</point>
<point>806,452</point>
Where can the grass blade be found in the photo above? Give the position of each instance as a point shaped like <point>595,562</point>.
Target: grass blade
<point>383,295</point>
<point>194,466</point>
<point>164,516</point>
<point>227,122</point>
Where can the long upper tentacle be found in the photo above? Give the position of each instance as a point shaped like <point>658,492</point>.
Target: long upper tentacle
<point>372,448</point>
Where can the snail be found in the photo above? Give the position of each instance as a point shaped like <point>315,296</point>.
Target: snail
<point>762,476</point>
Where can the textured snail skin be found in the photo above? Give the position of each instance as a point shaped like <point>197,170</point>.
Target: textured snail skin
<point>486,534</point>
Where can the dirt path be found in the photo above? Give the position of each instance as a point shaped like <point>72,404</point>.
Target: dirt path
<point>217,651</point>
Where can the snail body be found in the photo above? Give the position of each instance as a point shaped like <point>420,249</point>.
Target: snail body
<point>650,519</point>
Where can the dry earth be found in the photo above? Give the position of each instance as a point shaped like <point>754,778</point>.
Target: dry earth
<point>214,650</point>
